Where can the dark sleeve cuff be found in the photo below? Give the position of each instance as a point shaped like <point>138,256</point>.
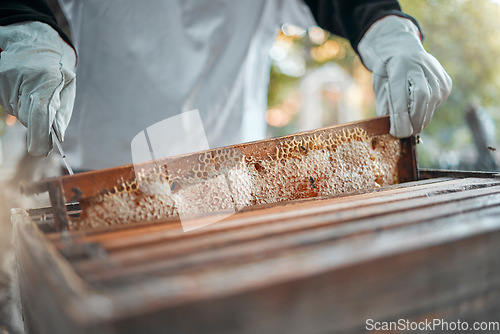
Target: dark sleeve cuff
<point>16,11</point>
<point>352,18</point>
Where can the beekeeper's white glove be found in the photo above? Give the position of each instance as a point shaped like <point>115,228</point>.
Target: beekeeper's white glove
<point>409,83</point>
<point>37,81</point>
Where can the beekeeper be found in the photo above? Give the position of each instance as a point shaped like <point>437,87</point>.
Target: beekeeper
<point>140,62</point>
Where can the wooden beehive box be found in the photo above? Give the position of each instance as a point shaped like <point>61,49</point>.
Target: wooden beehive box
<point>420,249</point>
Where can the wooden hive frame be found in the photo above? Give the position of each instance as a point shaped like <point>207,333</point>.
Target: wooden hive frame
<point>85,186</point>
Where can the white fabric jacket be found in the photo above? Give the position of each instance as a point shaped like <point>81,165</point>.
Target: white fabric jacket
<point>140,62</point>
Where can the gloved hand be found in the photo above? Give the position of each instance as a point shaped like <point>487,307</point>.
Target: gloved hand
<point>409,83</point>
<point>37,81</point>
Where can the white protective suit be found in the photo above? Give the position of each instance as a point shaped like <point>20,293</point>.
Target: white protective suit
<point>140,62</point>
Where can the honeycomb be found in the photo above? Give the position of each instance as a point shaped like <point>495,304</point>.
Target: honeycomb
<point>226,180</point>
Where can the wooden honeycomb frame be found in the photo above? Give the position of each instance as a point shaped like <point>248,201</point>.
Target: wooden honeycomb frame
<point>182,172</point>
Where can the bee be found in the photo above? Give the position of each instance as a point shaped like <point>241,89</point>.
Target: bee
<point>419,140</point>
<point>492,148</point>
<point>311,180</point>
